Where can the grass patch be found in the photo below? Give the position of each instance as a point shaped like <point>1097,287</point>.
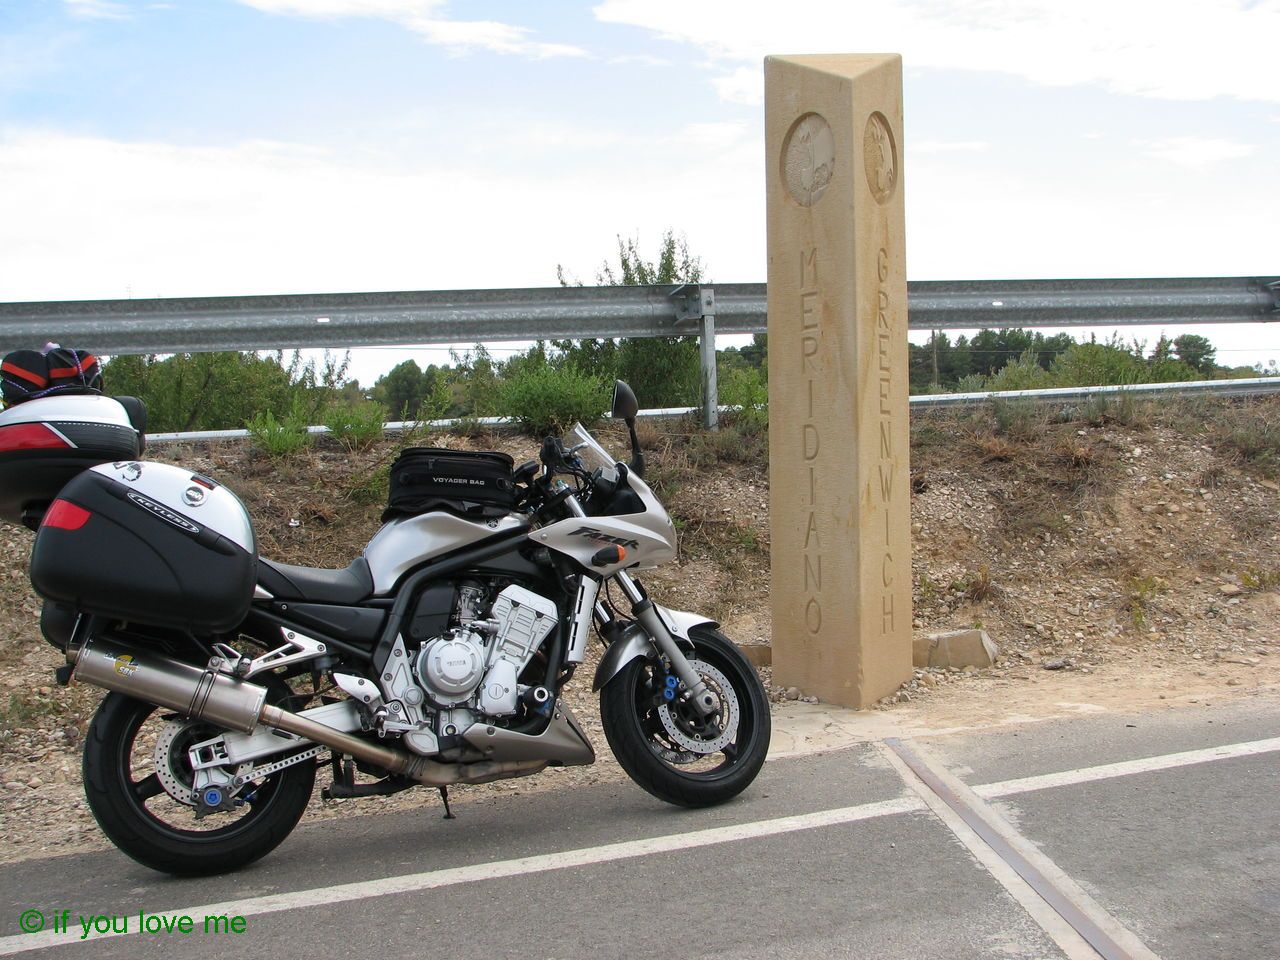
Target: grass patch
<point>356,426</point>
<point>19,713</point>
<point>1259,578</point>
<point>280,439</point>
<point>976,586</point>
<point>1140,592</point>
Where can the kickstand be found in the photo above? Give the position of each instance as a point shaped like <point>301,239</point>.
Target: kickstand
<point>444,795</point>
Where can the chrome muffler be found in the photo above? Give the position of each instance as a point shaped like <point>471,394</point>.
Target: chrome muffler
<point>205,694</point>
<point>196,692</point>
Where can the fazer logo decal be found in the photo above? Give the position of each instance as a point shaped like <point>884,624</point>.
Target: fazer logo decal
<point>591,533</point>
<point>163,512</point>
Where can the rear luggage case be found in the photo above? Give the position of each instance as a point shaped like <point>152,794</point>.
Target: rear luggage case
<point>148,543</point>
<point>46,442</point>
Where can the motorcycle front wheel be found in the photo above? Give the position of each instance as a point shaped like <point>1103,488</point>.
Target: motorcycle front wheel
<point>666,747</point>
<point>134,748</point>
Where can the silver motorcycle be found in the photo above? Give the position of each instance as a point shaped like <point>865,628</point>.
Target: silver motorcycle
<point>438,657</point>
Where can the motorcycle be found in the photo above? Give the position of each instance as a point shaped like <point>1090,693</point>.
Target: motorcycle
<point>438,657</point>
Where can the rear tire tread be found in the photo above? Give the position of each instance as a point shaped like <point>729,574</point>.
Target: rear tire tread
<point>125,828</point>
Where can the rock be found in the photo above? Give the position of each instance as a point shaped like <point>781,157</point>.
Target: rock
<point>956,648</point>
<point>35,782</point>
<point>1233,682</point>
<point>1245,661</point>
<point>1229,590</point>
<point>1061,663</point>
<point>792,693</point>
<point>929,680</point>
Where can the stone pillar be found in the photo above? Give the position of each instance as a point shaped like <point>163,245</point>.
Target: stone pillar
<point>839,494</point>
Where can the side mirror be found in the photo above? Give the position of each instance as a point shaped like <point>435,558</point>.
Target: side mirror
<point>625,405</point>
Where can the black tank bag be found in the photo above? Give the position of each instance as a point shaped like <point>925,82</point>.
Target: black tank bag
<point>472,484</point>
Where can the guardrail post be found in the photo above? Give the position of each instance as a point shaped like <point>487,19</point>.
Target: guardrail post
<point>695,302</point>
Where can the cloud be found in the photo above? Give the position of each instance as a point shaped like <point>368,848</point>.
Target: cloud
<point>424,18</point>
<point>947,146</point>
<point>89,217</point>
<point>644,59</point>
<point>1197,153</point>
<point>97,10</point>
<point>1168,49</point>
<point>744,85</point>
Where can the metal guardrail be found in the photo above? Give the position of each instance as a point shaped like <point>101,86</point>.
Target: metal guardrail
<point>1256,386</point>
<point>1251,387</point>
<point>476,316</point>
<point>545,313</point>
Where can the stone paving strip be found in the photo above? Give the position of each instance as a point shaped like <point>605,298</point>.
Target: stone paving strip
<point>1070,940</point>
<point>1050,897</point>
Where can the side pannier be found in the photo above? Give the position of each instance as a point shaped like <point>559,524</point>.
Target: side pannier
<point>149,543</point>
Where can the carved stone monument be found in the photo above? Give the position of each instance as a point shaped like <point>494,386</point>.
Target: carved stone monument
<point>840,510</point>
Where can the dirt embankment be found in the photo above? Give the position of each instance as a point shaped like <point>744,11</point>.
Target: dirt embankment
<point>1118,554</point>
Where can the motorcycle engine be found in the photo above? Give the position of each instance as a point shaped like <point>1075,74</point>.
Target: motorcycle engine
<point>477,663</point>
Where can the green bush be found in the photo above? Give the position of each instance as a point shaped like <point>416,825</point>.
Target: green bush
<point>1020,419</point>
<point>1025,373</point>
<point>547,400</point>
<point>356,427</point>
<point>215,391</point>
<point>280,438</point>
<point>746,389</point>
<point>1253,437</point>
<point>1099,365</point>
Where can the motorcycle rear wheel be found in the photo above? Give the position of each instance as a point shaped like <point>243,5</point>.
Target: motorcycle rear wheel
<point>160,832</point>
<point>667,749</point>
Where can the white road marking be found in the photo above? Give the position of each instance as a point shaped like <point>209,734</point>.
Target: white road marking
<point>320,896</point>
<point>1049,920</point>
<point>1126,768</point>
<point>301,899</point>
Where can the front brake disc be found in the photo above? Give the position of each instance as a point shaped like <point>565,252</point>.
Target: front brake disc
<point>679,723</point>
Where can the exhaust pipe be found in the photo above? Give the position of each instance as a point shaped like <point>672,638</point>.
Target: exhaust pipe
<point>196,692</point>
<point>205,694</point>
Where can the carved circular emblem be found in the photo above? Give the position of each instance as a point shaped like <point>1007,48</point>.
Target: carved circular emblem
<point>880,157</point>
<point>808,159</point>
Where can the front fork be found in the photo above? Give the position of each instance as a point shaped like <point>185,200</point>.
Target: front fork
<point>704,700</point>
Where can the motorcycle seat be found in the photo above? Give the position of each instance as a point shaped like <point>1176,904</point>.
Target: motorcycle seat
<point>284,581</point>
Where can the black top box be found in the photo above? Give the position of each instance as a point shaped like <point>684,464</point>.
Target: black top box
<point>46,442</point>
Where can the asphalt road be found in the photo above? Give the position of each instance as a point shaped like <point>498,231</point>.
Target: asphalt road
<point>1166,827</point>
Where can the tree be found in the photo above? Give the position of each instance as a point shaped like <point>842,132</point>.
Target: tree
<point>215,391</point>
<point>1196,352</point>
<point>401,390</point>
<point>663,371</point>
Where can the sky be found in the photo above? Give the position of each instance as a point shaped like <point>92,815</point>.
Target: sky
<point>221,147</point>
